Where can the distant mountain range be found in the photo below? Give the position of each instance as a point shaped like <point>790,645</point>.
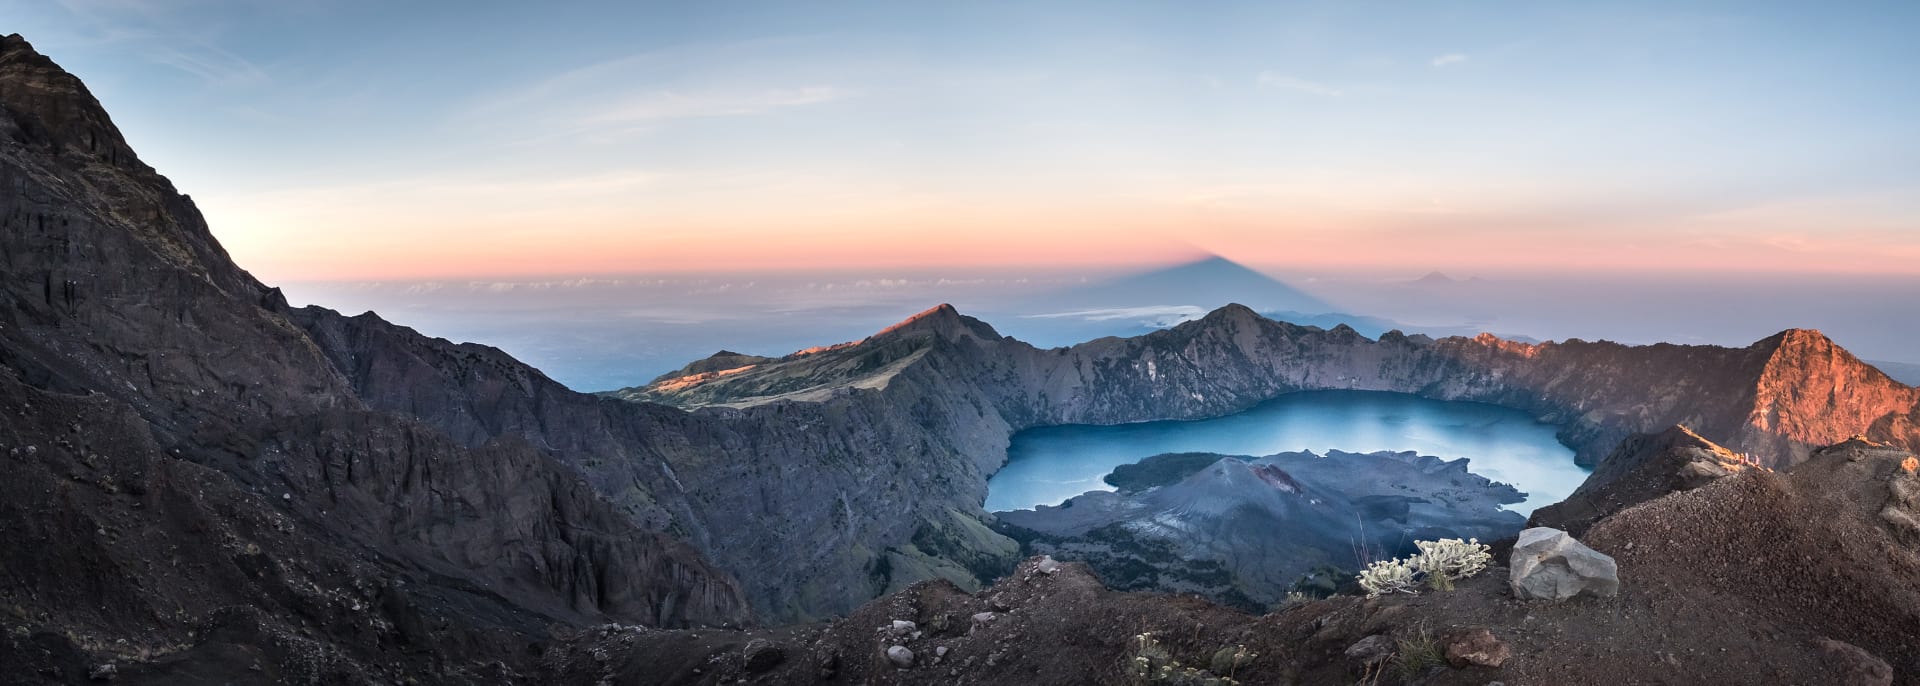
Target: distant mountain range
<point>1906,373</point>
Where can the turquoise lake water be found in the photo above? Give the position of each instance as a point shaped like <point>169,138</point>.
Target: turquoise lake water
<point>1050,464</point>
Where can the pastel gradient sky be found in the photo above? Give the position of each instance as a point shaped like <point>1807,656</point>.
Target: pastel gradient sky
<point>371,140</point>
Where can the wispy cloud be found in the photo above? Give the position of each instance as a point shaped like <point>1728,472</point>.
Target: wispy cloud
<point>156,32</point>
<point>667,105</point>
<point>1175,313</point>
<point>441,191</point>
<point>1448,59</point>
<point>1268,79</point>
<point>640,93</point>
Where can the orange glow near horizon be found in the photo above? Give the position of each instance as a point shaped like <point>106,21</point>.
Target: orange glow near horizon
<point>636,223</point>
<point>308,246</point>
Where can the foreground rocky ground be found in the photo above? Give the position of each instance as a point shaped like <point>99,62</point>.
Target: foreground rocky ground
<point>1805,577</point>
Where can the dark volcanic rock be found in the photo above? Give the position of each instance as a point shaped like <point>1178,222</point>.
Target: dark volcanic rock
<point>780,494</point>
<point>194,478</point>
<point>1476,646</point>
<point>1809,544</point>
<point>1642,468</point>
<point>1852,666</point>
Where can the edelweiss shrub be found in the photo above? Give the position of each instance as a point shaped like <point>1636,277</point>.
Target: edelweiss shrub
<point>1448,559</point>
<point>1389,576</point>
<point>1439,564</point>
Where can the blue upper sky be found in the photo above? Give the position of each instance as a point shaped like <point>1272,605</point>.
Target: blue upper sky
<point>383,139</point>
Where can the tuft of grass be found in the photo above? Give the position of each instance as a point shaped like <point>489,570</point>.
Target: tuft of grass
<point>1416,654</point>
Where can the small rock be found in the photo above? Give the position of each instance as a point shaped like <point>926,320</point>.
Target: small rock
<point>1047,565</point>
<point>1476,646</point>
<point>1371,650</point>
<point>761,655</point>
<point>1851,666</point>
<point>827,665</point>
<point>900,656</point>
<point>901,627</point>
<point>940,651</point>
<point>983,617</point>
<point>1547,564</point>
<point>105,672</point>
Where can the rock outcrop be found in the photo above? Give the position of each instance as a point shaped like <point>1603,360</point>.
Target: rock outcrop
<point>1809,544</point>
<point>1643,467</point>
<point>1547,564</point>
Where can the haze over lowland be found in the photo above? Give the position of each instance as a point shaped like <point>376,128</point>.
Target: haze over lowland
<point>604,332</point>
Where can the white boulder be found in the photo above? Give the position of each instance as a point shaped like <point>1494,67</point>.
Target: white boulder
<point>1548,564</point>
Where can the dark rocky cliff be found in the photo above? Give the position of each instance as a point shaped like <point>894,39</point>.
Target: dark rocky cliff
<point>815,506</point>
<point>163,405</point>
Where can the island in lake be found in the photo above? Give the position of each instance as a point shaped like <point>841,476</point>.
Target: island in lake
<point>1247,531</point>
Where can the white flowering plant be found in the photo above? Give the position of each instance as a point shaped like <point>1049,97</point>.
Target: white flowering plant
<point>1439,563</point>
<point>1389,576</point>
<point>1448,559</point>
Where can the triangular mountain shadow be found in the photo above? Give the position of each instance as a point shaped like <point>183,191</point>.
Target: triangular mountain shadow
<point>1203,284</point>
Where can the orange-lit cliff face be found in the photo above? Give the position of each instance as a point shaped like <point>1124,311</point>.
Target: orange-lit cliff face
<point>1814,392</point>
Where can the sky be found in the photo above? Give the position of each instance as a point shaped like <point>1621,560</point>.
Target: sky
<point>379,140</point>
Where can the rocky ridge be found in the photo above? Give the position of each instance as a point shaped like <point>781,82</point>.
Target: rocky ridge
<point>1777,398</point>
<point>1643,467</point>
<point>184,450</point>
